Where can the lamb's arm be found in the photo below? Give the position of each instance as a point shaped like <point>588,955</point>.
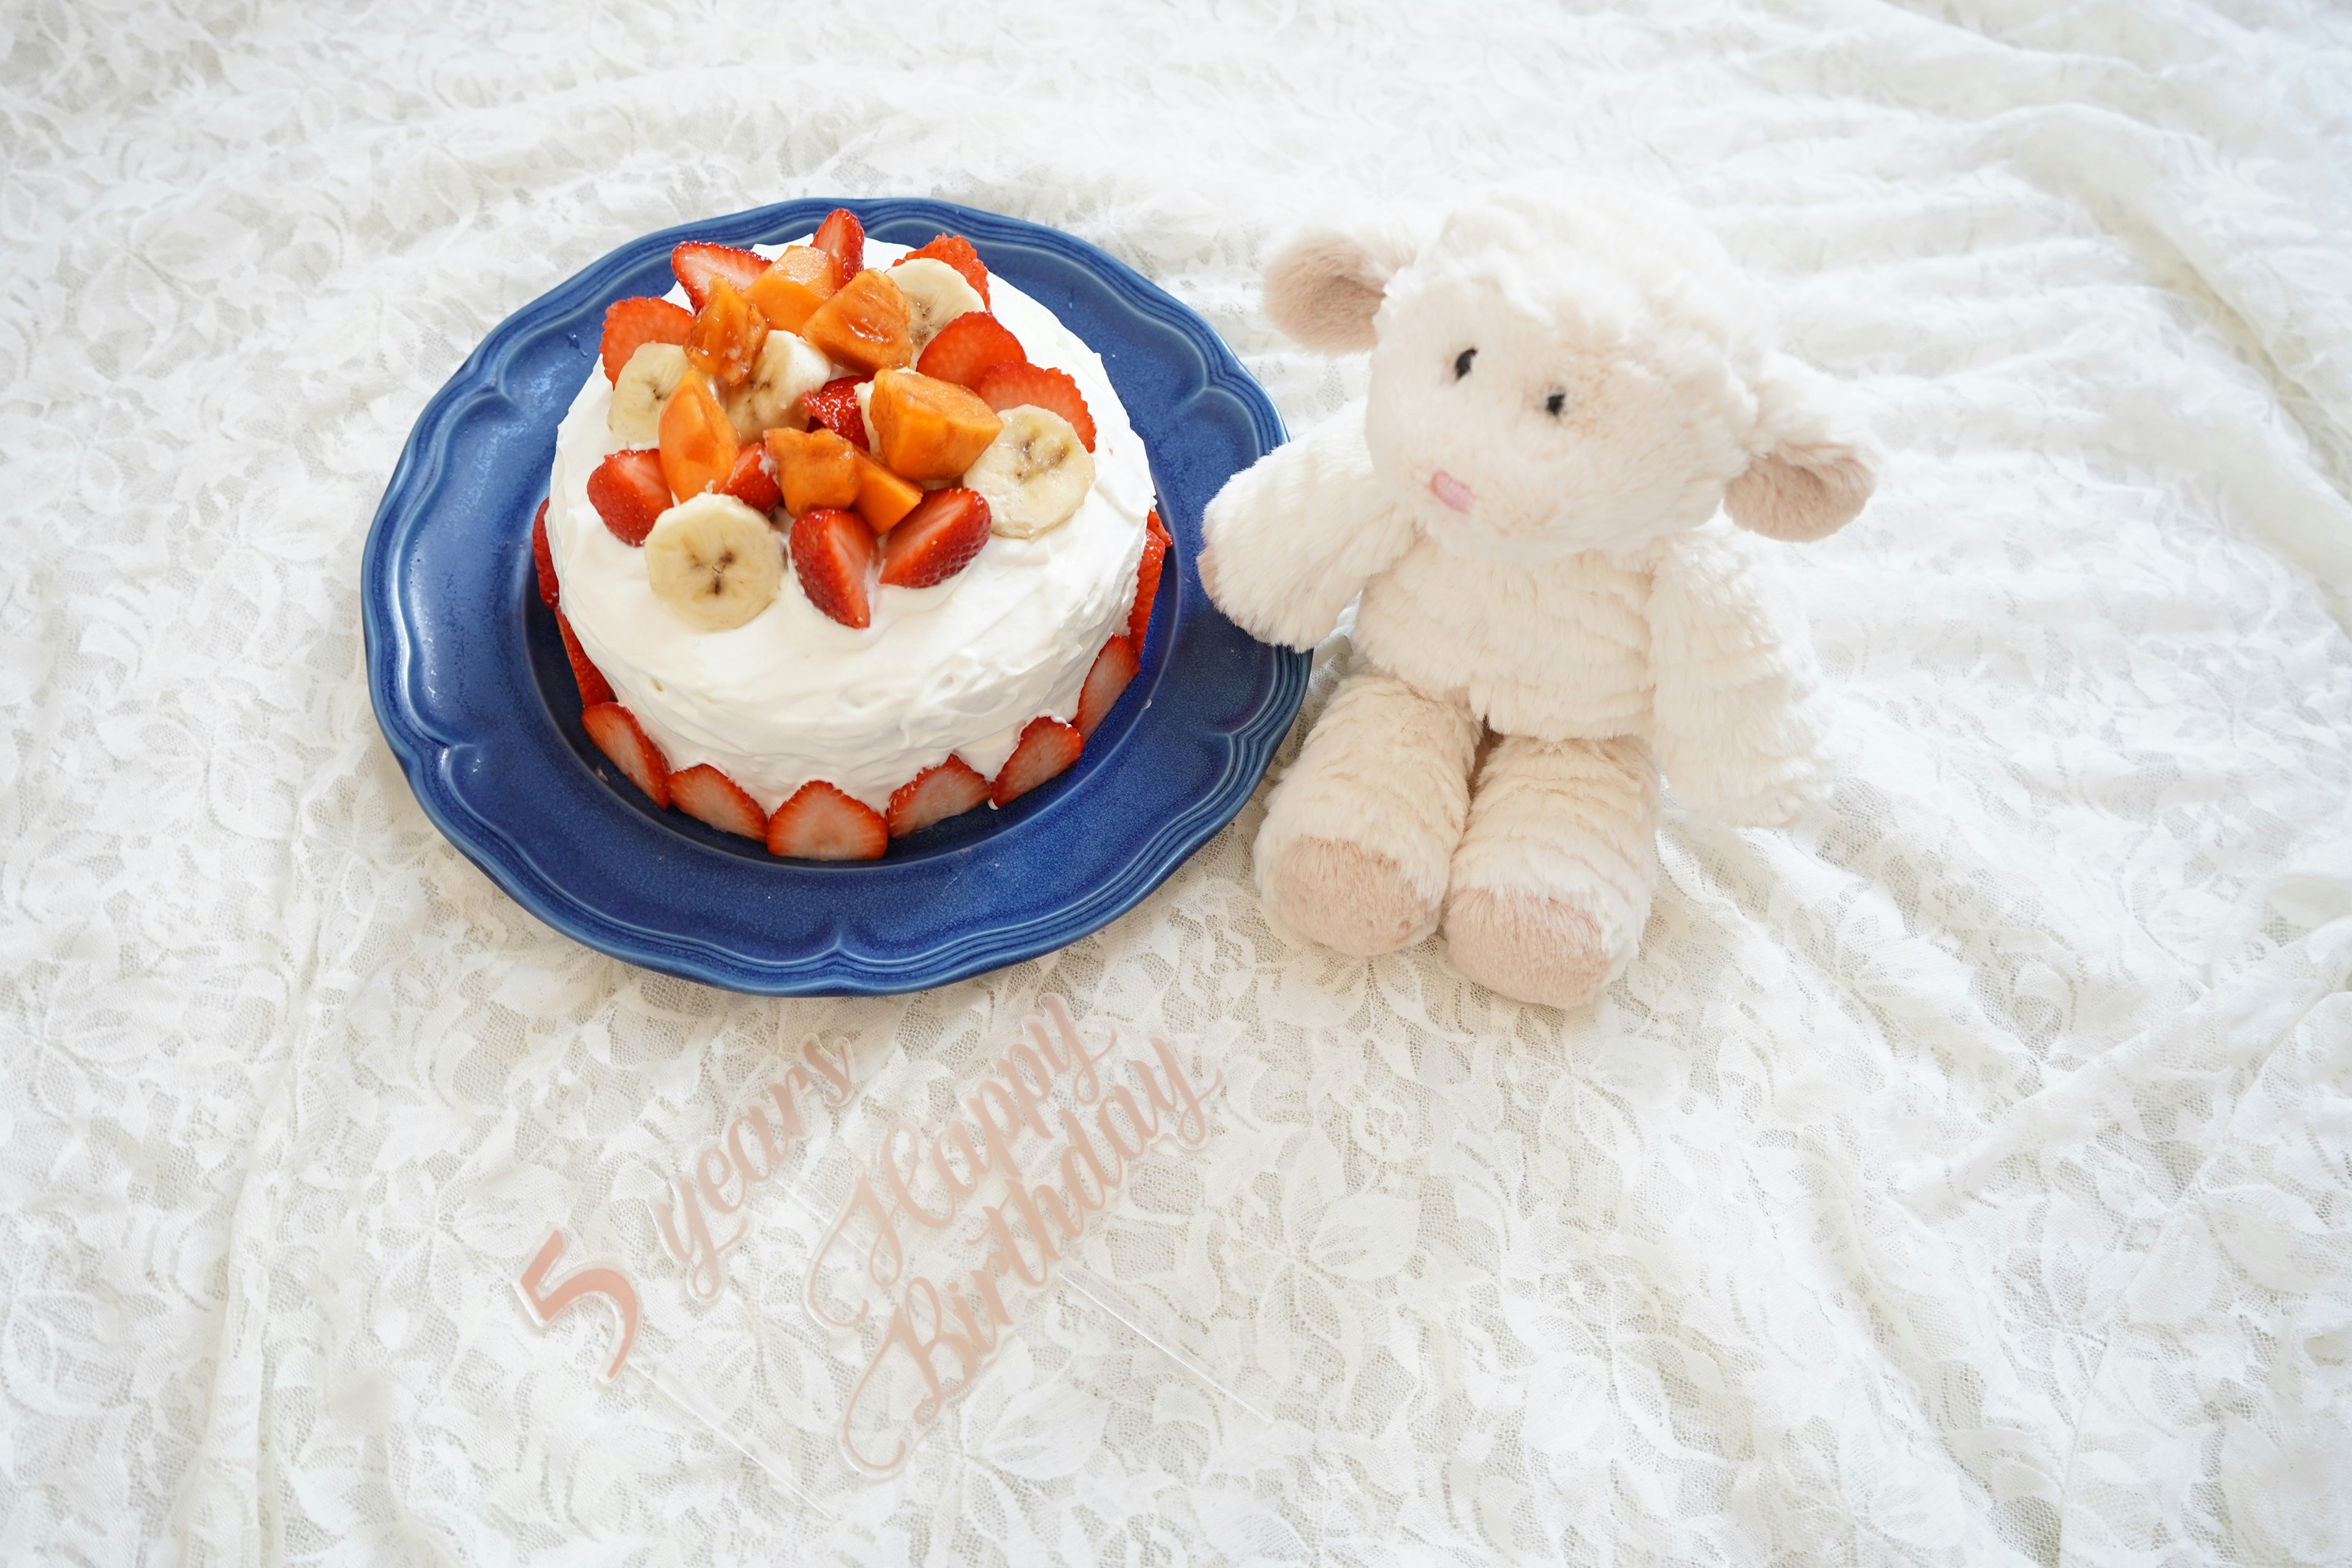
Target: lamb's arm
<point>1292,538</point>
<point>1738,732</point>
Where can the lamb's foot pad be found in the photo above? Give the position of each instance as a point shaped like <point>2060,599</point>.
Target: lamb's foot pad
<point>1348,897</point>
<point>1535,949</point>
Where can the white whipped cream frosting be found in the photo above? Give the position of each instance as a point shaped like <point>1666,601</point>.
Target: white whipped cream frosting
<point>792,695</point>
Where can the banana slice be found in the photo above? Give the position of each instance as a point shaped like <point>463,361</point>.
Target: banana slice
<point>644,385</point>
<point>714,562</point>
<point>935,294</point>
<point>787,367</point>
<point>864,392</point>
<point>1034,475</point>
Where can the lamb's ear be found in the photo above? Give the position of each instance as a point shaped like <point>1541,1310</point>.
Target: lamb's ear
<point>1324,285</point>
<point>1814,466</point>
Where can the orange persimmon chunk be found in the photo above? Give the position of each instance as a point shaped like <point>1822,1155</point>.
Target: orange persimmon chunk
<point>697,442</point>
<point>883,498</point>
<point>794,285</point>
<point>728,333</point>
<point>815,468</point>
<point>929,429</point>
<point>863,326</point>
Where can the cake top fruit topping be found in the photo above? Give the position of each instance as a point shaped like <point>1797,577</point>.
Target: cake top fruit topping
<point>631,325</point>
<point>968,348</point>
<point>714,562</point>
<point>956,252</point>
<point>842,238</point>
<point>935,541</point>
<point>697,264</point>
<point>879,413</point>
<point>727,335</point>
<point>833,555</point>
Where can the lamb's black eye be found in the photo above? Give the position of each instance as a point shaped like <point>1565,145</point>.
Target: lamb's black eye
<point>1462,362</point>
<point>1556,403</point>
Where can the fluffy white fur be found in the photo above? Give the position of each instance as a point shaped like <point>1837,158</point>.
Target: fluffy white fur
<point>1387,772</point>
<point>1552,880</point>
<point>1568,391</point>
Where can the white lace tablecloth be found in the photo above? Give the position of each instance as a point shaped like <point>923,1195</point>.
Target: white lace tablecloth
<point>1963,1177</point>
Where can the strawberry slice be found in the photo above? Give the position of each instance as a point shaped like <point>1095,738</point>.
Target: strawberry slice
<point>631,325</point>
<point>751,483</point>
<point>593,686</point>
<point>1047,750</point>
<point>956,252</point>
<point>835,406</point>
<point>1147,578</point>
<point>705,794</point>
<point>832,554</point>
<point>820,822</point>
<point>1113,667</point>
<point>842,238</point>
<point>969,347</point>
<point>616,733</point>
<point>630,492</point>
<point>543,559</point>
<point>935,795</point>
<point>698,262</point>
<point>935,541</point>
<point>1007,386</point>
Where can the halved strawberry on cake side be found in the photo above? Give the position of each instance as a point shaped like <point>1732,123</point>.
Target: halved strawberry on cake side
<point>702,791</point>
<point>821,823</point>
<point>943,790</point>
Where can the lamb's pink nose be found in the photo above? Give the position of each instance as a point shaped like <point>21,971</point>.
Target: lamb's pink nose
<point>1451,491</point>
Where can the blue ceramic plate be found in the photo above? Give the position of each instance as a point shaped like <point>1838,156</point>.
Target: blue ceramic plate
<point>477,701</point>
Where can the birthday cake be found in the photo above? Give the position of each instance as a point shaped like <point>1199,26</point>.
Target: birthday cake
<point>844,539</point>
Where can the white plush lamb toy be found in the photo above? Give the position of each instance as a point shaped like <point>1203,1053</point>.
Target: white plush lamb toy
<point>1565,390</point>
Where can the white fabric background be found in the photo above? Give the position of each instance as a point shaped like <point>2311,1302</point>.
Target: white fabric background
<point>1963,1177</point>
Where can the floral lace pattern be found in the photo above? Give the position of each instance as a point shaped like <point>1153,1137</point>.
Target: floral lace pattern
<point>1963,1176</point>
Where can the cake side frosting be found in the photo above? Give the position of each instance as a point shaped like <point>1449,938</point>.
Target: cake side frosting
<point>792,695</point>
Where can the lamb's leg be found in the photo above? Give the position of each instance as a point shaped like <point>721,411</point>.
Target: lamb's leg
<point>1359,834</point>
<point>1552,882</point>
